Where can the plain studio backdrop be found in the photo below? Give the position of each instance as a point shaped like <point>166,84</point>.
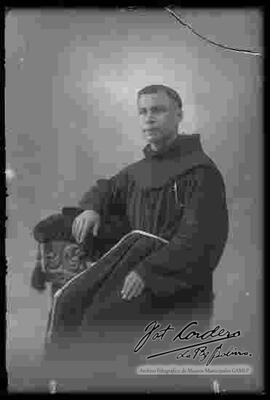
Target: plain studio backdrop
<point>71,83</point>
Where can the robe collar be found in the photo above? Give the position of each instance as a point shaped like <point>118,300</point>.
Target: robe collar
<point>181,146</point>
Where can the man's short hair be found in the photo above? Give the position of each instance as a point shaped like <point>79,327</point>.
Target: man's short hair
<point>161,88</point>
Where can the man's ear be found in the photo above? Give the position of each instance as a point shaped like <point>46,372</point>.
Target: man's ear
<point>180,114</point>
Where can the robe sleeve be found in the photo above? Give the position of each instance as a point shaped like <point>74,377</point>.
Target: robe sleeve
<point>198,243</point>
<point>107,195</point>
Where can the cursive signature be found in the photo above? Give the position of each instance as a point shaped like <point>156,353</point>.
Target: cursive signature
<point>155,332</point>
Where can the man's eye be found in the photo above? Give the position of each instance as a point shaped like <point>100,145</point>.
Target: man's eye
<point>158,110</point>
<point>153,111</point>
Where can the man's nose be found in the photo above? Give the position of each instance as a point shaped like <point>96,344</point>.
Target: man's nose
<point>149,117</point>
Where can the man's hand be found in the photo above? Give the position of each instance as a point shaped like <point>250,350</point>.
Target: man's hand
<point>87,220</point>
<point>133,286</point>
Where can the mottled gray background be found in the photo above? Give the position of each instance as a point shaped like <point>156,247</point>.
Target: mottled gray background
<point>71,82</point>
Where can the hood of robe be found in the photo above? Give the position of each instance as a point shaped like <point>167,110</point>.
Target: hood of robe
<point>183,154</point>
<point>181,146</point>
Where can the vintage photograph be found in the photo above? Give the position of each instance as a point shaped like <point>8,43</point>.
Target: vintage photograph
<point>134,174</point>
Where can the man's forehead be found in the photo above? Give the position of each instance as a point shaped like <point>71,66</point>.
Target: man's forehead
<point>159,98</point>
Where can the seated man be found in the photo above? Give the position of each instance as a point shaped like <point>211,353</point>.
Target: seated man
<point>170,228</point>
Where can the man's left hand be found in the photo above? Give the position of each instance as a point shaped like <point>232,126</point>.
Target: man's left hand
<point>133,286</point>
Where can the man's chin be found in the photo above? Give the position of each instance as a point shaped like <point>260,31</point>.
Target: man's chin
<point>153,139</point>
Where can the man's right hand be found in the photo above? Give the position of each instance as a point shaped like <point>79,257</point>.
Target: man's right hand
<point>86,221</point>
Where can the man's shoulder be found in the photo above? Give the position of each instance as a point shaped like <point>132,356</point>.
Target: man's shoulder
<point>214,168</point>
<point>201,167</point>
<point>129,168</point>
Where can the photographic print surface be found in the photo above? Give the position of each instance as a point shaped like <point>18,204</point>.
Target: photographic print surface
<point>74,121</point>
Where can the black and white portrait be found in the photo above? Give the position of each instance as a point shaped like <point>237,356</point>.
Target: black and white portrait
<point>134,208</point>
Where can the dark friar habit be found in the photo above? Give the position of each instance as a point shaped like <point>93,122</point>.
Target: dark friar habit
<point>165,217</point>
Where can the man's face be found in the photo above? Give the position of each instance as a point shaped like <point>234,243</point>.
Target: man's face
<point>159,117</point>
